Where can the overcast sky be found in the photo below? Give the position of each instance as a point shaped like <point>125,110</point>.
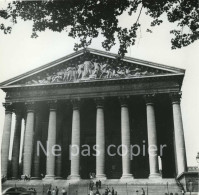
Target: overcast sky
<point>20,53</point>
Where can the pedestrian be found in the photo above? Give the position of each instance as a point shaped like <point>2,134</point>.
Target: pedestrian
<point>97,192</point>
<point>53,192</point>
<point>92,185</point>
<point>56,190</point>
<point>99,184</point>
<point>113,192</point>
<point>29,177</point>
<point>63,191</point>
<point>143,192</point>
<point>49,191</point>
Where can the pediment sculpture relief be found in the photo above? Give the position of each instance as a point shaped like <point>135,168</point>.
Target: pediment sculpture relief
<point>90,70</point>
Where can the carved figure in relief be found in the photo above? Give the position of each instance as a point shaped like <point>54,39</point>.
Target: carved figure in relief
<point>121,71</point>
<point>56,77</point>
<point>39,80</point>
<point>133,73</point>
<point>70,74</point>
<point>74,73</point>
<point>80,70</point>
<point>104,69</point>
<point>96,69</point>
<point>109,72</point>
<point>48,78</point>
<point>115,75</point>
<point>145,72</point>
<point>88,66</point>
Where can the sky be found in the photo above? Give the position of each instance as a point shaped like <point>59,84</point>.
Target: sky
<point>20,53</point>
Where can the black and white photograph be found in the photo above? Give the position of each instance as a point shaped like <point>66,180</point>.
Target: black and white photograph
<point>99,97</point>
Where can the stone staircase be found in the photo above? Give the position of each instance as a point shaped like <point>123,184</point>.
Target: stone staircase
<point>128,187</point>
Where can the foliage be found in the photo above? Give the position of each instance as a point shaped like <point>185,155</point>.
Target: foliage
<point>85,19</point>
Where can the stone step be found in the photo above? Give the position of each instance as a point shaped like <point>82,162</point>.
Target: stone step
<point>82,187</point>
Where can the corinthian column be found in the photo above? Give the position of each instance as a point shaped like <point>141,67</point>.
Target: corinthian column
<point>50,162</point>
<point>152,137</point>
<point>28,140</point>
<point>16,145</point>
<point>125,132</point>
<point>179,134</point>
<point>37,137</point>
<point>58,160</point>
<point>100,139</point>
<point>6,139</point>
<point>75,143</point>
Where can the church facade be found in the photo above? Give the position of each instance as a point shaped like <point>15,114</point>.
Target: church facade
<point>97,116</point>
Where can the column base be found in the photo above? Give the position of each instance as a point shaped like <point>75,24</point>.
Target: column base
<point>74,177</point>
<point>35,178</point>
<point>101,177</point>
<point>14,178</point>
<point>58,177</point>
<point>155,176</point>
<point>49,177</point>
<point>127,176</point>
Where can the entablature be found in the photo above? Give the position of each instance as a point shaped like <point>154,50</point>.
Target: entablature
<point>110,88</point>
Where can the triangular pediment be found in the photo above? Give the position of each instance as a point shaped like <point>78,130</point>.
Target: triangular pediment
<point>91,65</point>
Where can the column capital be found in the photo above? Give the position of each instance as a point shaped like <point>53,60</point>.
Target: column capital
<point>30,106</point>
<point>123,101</point>
<point>149,99</point>
<point>176,97</point>
<point>75,103</point>
<point>8,107</point>
<point>52,104</point>
<point>17,110</point>
<point>99,102</point>
<point>38,109</point>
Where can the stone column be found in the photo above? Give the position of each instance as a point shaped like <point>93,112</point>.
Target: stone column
<point>28,140</point>
<point>100,139</point>
<point>50,162</point>
<point>152,137</point>
<point>5,144</point>
<point>75,141</point>
<point>58,160</point>
<point>179,134</point>
<point>59,166</point>
<point>22,156</point>
<point>37,137</point>
<point>125,133</point>
<point>16,145</point>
